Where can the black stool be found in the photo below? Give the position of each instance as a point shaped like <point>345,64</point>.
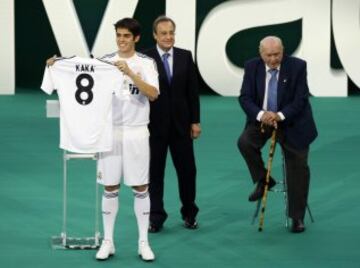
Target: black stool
<point>282,189</point>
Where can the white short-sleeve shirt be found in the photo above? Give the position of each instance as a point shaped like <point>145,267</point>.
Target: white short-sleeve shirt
<point>131,107</point>
<point>85,88</point>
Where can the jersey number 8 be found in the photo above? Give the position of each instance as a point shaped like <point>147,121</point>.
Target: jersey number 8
<point>83,94</point>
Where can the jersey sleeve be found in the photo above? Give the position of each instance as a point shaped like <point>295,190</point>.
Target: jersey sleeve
<point>151,74</point>
<point>47,84</point>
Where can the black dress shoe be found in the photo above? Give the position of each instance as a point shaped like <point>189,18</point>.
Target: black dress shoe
<point>259,190</point>
<point>298,226</point>
<point>190,223</point>
<point>153,228</point>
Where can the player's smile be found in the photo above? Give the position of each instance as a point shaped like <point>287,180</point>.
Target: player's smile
<point>125,41</point>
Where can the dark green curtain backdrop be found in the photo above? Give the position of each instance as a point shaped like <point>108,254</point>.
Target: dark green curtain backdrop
<point>35,40</point>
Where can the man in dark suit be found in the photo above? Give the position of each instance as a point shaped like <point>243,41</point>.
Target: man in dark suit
<point>275,94</point>
<point>174,123</point>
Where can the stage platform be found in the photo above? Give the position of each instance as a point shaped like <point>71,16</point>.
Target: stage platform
<point>31,196</point>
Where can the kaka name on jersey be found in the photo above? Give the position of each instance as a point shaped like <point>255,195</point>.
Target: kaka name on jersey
<point>84,68</point>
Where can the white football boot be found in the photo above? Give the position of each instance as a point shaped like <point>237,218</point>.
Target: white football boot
<point>145,252</point>
<point>106,250</point>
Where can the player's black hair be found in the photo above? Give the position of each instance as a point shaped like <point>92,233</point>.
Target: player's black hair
<point>130,24</point>
<point>162,18</point>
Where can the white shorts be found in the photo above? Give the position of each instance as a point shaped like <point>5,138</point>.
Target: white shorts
<point>129,159</point>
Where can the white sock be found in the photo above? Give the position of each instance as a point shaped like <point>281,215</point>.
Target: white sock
<point>110,206</point>
<point>142,213</point>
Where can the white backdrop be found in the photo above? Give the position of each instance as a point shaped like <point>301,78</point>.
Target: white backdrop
<point>220,24</point>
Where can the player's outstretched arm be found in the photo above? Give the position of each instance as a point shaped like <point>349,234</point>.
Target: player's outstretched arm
<point>145,88</point>
<point>148,90</point>
<point>51,61</point>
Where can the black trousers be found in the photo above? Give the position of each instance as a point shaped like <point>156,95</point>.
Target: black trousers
<point>182,153</point>
<point>250,144</point>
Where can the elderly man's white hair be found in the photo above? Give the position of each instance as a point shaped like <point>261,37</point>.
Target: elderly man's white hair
<point>270,39</point>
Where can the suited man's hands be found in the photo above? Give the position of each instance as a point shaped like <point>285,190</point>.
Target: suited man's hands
<point>270,119</point>
<point>195,131</point>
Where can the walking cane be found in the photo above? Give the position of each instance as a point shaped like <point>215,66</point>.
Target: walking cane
<point>267,180</point>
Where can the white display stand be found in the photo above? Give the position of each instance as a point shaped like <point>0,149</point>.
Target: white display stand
<point>64,241</point>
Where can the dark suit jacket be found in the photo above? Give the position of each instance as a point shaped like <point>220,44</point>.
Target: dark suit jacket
<point>177,106</point>
<point>292,98</point>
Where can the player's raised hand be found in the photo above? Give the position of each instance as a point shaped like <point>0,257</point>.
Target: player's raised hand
<point>123,67</point>
<point>51,61</point>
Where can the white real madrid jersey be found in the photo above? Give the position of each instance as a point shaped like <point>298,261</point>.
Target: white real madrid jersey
<point>85,89</point>
<point>131,107</point>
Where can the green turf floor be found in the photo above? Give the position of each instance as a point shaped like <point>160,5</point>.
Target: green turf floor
<point>31,196</point>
